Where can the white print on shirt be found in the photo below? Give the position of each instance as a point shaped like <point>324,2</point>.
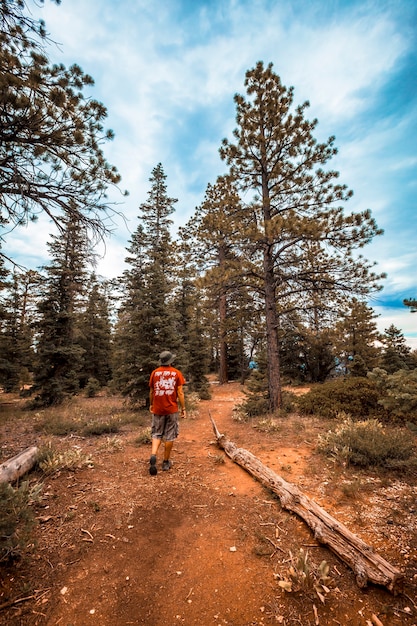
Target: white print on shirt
<point>165,383</point>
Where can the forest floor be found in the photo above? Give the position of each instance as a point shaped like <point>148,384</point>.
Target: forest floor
<point>203,543</point>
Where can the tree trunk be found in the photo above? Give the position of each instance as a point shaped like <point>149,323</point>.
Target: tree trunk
<point>16,467</point>
<point>223,376</point>
<point>271,320</point>
<point>366,564</point>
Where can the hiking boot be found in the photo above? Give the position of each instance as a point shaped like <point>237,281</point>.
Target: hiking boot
<point>166,465</point>
<point>152,465</point>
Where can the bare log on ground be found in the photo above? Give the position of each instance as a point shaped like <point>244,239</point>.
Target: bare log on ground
<point>361,558</point>
<point>16,467</point>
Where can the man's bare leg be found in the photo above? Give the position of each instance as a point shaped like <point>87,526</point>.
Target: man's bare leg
<point>152,461</point>
<point>155,445</point>
<point>167,450</point>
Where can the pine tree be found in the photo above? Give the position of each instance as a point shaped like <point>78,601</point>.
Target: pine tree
<point>95,336</point>
<point>276,158</point>
<point>396,353</point>
<point>8,372</point>
<point>356,338</point>
<point>59,353</point>
<point>147,318</point>
<point>214,227</point>
<point>193,352</point>
<point>292,348</point>
<point>16,361</point>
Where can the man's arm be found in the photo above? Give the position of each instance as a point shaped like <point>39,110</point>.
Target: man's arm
<point>181,400</point>
<point>151,399</point>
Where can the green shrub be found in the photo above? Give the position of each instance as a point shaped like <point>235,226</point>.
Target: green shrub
<point>257,404</point>
<point>92,387</point>
<point>192,401</point>
<point>254,406</point>
<point>398,392</point>
<point>256,392</point>
<point>16,519</point>
<point>204,392</point>
<point>58,425</point>
<point>101,428</point>
<point>369,444</point>
<point>357,396</point>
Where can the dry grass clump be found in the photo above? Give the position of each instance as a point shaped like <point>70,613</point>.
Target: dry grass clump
<point>370,444</point>
<point>51,461</point>
<point>303,576</point>
<point>144,437</point>
<point>16,518</point>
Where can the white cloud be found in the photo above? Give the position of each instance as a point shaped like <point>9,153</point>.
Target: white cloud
<point>400,318</point>
<point>111,258</point>
<point>26,245</point>
<point>153,71</point>
<point>341,60</point>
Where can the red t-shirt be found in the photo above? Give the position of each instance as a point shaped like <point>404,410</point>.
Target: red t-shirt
<point>165,381</point>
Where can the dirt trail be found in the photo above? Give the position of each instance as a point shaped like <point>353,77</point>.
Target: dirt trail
<point>199,545</point>
<point>174,551</point>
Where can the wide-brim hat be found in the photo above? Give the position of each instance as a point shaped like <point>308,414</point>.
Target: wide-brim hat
<point>166,357</point>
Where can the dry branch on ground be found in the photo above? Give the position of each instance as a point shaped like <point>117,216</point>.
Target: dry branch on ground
<point>361,558</point>
<point>19,465</point>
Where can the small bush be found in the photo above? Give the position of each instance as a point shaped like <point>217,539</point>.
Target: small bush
<point>101,428</point>
<point>303,576</point>
<point>357,396</point>
<point>111,444</point>
<point>398,393</point>
<point>92,387</point>
<point>256,402</point>
<point>16,519</point>
<point>289,403</point>
<point>254,406</point>
<point>369,444</point>
<point>204,393</point>
<point>58,425</point>
<point>144,437</point>
<point>192,401</point>
<point>268,425</point>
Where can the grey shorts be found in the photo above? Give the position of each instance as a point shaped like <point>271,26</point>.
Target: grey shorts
<point>165,427</point>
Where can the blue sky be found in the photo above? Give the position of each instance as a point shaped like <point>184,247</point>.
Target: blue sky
<point>167,72</point>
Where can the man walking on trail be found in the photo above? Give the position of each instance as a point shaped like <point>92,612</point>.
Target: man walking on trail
<point>166,392</point>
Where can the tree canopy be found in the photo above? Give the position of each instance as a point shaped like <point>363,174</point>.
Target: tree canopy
<point>51,133</point>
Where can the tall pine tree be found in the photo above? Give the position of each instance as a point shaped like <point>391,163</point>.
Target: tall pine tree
<point>396,352</point>
<point>16,339</point>
<point>356,338</point>
<point>95,335</point>
<point>59,353</point>
<point>294,202</point>
<point>214,228</point>
<point>147,322</point>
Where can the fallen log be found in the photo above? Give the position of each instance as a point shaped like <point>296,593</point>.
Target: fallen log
<point>361,558</point>
<point>17,466</point>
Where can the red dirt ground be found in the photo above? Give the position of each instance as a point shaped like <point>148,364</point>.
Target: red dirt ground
<point>205,544</point>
